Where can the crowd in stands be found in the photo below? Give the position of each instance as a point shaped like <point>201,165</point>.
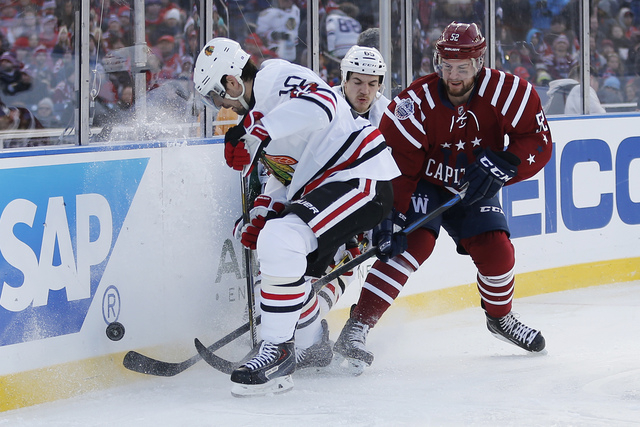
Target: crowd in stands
<point>537,41</point>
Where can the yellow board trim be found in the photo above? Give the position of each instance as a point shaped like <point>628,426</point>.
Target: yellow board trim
<point>71,379</point>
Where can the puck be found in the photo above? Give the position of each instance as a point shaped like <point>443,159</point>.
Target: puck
<point>115,331</point>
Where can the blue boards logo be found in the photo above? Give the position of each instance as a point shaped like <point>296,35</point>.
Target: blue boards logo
<point>58,226</point>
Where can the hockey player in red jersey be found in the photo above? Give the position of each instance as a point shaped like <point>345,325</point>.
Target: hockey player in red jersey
<point>446,130</point>
<point>330,179</point>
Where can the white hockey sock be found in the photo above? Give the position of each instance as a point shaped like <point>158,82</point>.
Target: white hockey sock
<point>281,302</point>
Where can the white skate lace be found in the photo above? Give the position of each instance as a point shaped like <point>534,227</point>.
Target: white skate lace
<point>358,333</point>
<point>301,353</point>
<point>519,331</point>
<point>268,352</point>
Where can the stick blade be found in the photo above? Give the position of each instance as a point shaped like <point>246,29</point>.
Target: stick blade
<point>216,362</point>
<point>142,364</point>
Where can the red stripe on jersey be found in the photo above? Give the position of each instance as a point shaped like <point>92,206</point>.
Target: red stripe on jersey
<point>311,309</point>
<point>346,206</point>
<point>329,99</point>
<point>279,297</point>
<point>316,183</point>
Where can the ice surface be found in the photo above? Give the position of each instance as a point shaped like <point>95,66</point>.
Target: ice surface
<point>439,371</point>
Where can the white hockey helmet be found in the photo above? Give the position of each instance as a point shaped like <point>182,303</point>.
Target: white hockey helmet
<point>363,60</point>
<point>219,57</point>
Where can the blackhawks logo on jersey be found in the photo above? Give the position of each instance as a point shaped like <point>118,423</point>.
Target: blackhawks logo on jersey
<point>280,166</point>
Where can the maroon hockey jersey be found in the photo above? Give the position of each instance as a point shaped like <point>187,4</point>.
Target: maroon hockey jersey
<point>433,140</point>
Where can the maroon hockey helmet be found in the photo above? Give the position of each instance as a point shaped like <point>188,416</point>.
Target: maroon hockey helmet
<point>460,41</point>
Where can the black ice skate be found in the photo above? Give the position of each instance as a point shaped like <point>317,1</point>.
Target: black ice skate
<point>267,372</point>
<point>318,355</point>
<point>511,330</point>
<point>351,345</point>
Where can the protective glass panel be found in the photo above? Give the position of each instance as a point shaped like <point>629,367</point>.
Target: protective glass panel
<point>141,72</point>
<point>37,73</point>
<point>539,41</point>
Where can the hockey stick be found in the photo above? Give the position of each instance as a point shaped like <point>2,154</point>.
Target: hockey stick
<point>251,300</point>
<point>142,364</point>
<point>407,230</point>
<point>226,366</point>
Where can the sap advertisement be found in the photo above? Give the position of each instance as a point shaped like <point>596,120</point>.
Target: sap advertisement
<point>136,236</point>
<point>141,235</point>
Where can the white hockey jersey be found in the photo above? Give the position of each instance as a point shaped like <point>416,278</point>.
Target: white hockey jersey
<point>342,33</point>
<point>284,21</point>
<point>377,109</point>
<point>314,138</point>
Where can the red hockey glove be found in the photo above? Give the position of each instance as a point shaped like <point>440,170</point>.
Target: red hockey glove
<point>236,155</point>
<point>487,175</point>
<point>264,209</point>
<point>242,143</point>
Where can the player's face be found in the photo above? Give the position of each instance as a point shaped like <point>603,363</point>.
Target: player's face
<point>360,90</point>
<point>233,90</point>
<point>459,78</point>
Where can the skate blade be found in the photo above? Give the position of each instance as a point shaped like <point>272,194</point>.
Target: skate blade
<point>275,386</point>
<point>348,365</point>
<point>508,341</point>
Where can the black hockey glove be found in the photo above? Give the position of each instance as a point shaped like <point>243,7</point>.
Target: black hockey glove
<point>386,238</point>
<point>487,175</point>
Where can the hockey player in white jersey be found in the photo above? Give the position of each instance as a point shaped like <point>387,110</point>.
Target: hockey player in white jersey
<point>278,26</point>
<point>363,70</point>
<point>330,180</point>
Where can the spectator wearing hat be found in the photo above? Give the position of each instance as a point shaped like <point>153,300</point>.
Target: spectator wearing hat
<point>24,24</point>
<point>114,27</point>
<point>40,71</point>
<point>186,64</point>
<point>626,18</point>
<point>152,19</point>
<point>49,31</point>
<point>166,52</point>
<point>620,42</point>
<point>21,49</point>
<point>170,24</point>
<point>13,78</point>
<point>522,73</point>
<point>191,46</point>
<point>46,115</point>
<point>535,41</point>
<point>48,8</point>
<point>614,67</point>
<point>167,5</point>
<point>124,14</point>
<point>611,92</point>
<point>561,60</point>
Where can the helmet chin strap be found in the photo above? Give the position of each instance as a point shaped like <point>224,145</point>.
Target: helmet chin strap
<point>240,97</point>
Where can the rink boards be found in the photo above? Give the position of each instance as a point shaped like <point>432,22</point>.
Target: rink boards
<point>140,234</point>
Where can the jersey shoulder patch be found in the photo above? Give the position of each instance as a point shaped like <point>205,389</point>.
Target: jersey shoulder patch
<point>405,108</point>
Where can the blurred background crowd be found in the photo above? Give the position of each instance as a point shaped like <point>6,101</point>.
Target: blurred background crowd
<point>537,41</point>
